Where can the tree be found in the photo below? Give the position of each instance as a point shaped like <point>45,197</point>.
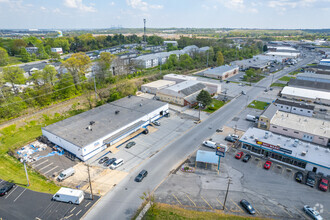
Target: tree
<point>42,53</point>
<point>25,56</point>
<point>14,75</point>
<point>49,74</point>
<point>77,65</point>
<point>55,56</point>
<point>250,73</point>
<point>18,44</point>
<point>33,57</point>
<point>3,57</point>
<point>172,61</point>
<point>186,62</point>
<point>204,97</point>
<point>265,48</point>
<point>104,65</point>
<point>65,88</point>
<point>220,59</point>
<point>127,88</point>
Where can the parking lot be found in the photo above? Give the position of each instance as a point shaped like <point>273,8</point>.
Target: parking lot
<point>273,193</point>
<point>22,203</point>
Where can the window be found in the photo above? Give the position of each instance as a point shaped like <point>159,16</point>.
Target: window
<point>281,106</point>
<point>301,110</point>
<point>285,129</point>
<point>296,132</point>
<point>274,126</point>
<point>294,108</point>
<point>309,111</point>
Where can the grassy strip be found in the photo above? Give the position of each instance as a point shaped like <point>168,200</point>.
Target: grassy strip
<point>165,211</point>
<point>286,78</point>
<point>216,105</point>
<point>258,105</point>
<point>277,85</point>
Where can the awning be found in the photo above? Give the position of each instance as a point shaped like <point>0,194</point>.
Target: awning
<point>207,157</point>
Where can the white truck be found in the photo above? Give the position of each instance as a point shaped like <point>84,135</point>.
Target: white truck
<point>65,174</point>
<point>251,118</point>
<point>210,144</point>
<point>72,196</point>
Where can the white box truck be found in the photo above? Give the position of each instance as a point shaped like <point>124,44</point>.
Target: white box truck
<point>72,196</point>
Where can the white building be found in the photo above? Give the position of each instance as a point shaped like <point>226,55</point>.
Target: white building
<point>178,78</point>
<point>155,86</point>
<point>91,132</point>
<point>325,62</point>
<point>57,50</point>
<point>295,107</point>
<point>32,50</point>
<point>307,95</point>
<point>173,42</point>
<point>284,54</point>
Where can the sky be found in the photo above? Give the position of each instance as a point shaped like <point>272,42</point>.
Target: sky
<point>68,14</point>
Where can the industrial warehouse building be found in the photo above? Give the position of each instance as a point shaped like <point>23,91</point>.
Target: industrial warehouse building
<point>91,132</point>
<point>221,72</point>
<point>155,86</point>
<point>291,152</point>
<point>307,95</point>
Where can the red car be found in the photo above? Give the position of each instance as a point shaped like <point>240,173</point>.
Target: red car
<point>239,155</point>
<point>324,185</point>
<point>267,164</point>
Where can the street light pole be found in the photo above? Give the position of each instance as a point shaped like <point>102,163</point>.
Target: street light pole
<point>26,173</point>
<point>90,182</point>
<point>224,203</point>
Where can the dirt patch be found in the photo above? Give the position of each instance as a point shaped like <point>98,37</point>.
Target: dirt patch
<point>229,130</point>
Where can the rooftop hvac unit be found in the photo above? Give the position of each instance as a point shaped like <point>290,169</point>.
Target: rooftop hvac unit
<point>252,136</point>
<point>317,147</point>
<point>117,112</point>
<point>303,153</point>
<point>256,139</point>
<point>266,134</point>
<point>278,145</point>
<point>289,139</point>
<point>141,103</point>
<point>91,122</point>
<point>245,138</point>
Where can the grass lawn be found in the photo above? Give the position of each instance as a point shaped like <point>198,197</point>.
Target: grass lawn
<point>14,60</point>
<point>254,79</point>
<point>286,78</point>
<point>277,85</point>
<point>258,105</point>
<point>165,211</point>
<point>295,72</point>
<point>216,105</point>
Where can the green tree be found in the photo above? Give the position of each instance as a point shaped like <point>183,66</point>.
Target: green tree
<point>55,56</point>
<point>77,65</point>
<point>127,88</point>
<point>220,59</point>
<point>172,61</point>
<point>104,65</point>
<point>186,62</point>
<point>3,57</point>
<point>65,88</point>
<point>17,45</point>
<point>14,75</point>
<point>42,53</point>
<point>49,74</point>
<point>265,48</point>
<point>25,56</point>
<point>204,97</point>
<point>250,73</point>
<point>33,57</point>
<point>13,107</point>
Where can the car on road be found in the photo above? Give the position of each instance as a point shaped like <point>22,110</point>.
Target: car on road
<point>246,158</point>
<point>324,183</point>
<point>103,160</point>
<point>227,81</point>
<point>246,205</point>
<point>243,93</point>
<point>5,188</point>
<point>267,165</point>
<point>299,176</point>
<point>219,130</point>
<point>311,212</point>
<point>141,176</point>
<point>157,123</point>
<point>323,110</point>
<point>239,155</point>
<point>117,164</point>
<point>109,162</point>
<point>130,144</point>
<point>210,144</point>
<point>230,139</point>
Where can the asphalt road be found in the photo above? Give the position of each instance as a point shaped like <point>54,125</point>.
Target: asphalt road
<point>123,201</point>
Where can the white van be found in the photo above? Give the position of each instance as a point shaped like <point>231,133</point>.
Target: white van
<point>72,196</point>
<point>210,144</point>
<point>117,163</point>
<point>65,174</point>
<point>251,118</point>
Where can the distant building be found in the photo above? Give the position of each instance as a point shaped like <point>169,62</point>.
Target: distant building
<point>155,86</point>
<point>319,69</point>
<point>57,50</point>
<point>221,72</point>
<point>173,42</point>
<point>306,84</point>
<point>146,61</point>
<point>183,93</point>
<point>284,54</point>
<point>306,95</point>
<point>295,107</point>
<point>257,64</point>
<point>266,116</point>
<point>32,50</point>
<point>314,77</point>
<point>325,62</point>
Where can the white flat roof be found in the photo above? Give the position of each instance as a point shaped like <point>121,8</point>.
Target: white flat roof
<point>283,54</point>
<point>183,85</point>
<point>183,77</point>
<point>305,93</point>
<point>159,83</point>
<point>302,123</point>
<point>314,153</point>
<point>68,191</point>
<point>282,48</point>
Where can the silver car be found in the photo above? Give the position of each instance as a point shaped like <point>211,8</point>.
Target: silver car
<point>311,212</point>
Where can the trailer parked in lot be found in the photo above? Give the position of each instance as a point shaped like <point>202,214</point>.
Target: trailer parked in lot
<point>73,196</point>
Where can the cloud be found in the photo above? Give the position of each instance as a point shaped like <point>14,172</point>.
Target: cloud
<point>283,5</point>
<point>43,8</point>
<point>141,5</point>
<point>112,3</point>
<point>78,4</point>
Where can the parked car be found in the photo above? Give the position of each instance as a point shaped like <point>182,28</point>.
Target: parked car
<point>117,164</point>
<point>246,158</point>
<point>234,136</point>
<point>239,155</point>
<point>219,130</point>
<point>141,176</point>
<point>157,123</point>
<point>299,176</point>
<point>311,179</point>
<point>243,93</point>
<point>311,212</point>
<point>130,144</point>
<point>103,160</point>
<point>230,139</point>
<point>66,174</point>
<point>248,206</point>
<point>109,162</point>
<point>323,109</point>
<point>5,188</point>
<point>210,144</point>
<point>324,183</point>
<point>267,165</point>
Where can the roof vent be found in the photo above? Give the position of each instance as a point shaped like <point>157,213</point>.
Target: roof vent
<point>317,147</point>
<point>252,136</point>
<point>129,96</point>
<point>266,134</point>
<point>303,153</point>
<point>140,104</point>
<point>89,128</point>
<point>91,122</point>
<point>117,112</point>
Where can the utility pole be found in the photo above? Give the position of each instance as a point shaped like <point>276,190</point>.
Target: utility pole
<point>207,59</point>
<point>90,183</point>
<point>26,173</point>
<point>224,203</point>
<point>94,83</point>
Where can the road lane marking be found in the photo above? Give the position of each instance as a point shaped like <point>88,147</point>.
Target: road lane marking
<point>41,163</point>
<point>46,166</point>
<point>69,216</point>
<point>287,212</point>
<point>206,202</point>
<point>190,199</point>
<point>176,199</point>
<point>270,210</point>
<point>73,209</point>
<point>19,195</point>
<point>11,192</point>
<point>50,170</point>
<point>241,210</point>
<point>301,213</point>
<point>256,210</point>
<point>87,204</point>
<point>221,204</point>
<point>78,212</point>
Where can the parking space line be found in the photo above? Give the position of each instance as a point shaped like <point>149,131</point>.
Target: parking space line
<point>11,192</point>
<point>221,204</point>
<point>241,210</point>
<point>69,216</point>
<point>50,170</point>
<point>256,210</point>
<point>46,166</point>
<point>87,204</point>
<point>190,199</point>
<point>287,212</point>
<point>41,163</point>
<point>301,213</point>
<point>270,210</point>
<point>19,195</point>
<point>78,212</point>
<point>73,209</point>
<point>176,199</point>
<point>206,202</point>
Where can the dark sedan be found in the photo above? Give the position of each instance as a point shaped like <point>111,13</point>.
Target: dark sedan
<point>299,176</point>
<point>130,144</point>
<point>5,188</point>
<point>248,206</point>
<point>246,158</point>
<point>230,139</point>
<point>141,176</point>
<point>103,160</point>
<point>109,162</point>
